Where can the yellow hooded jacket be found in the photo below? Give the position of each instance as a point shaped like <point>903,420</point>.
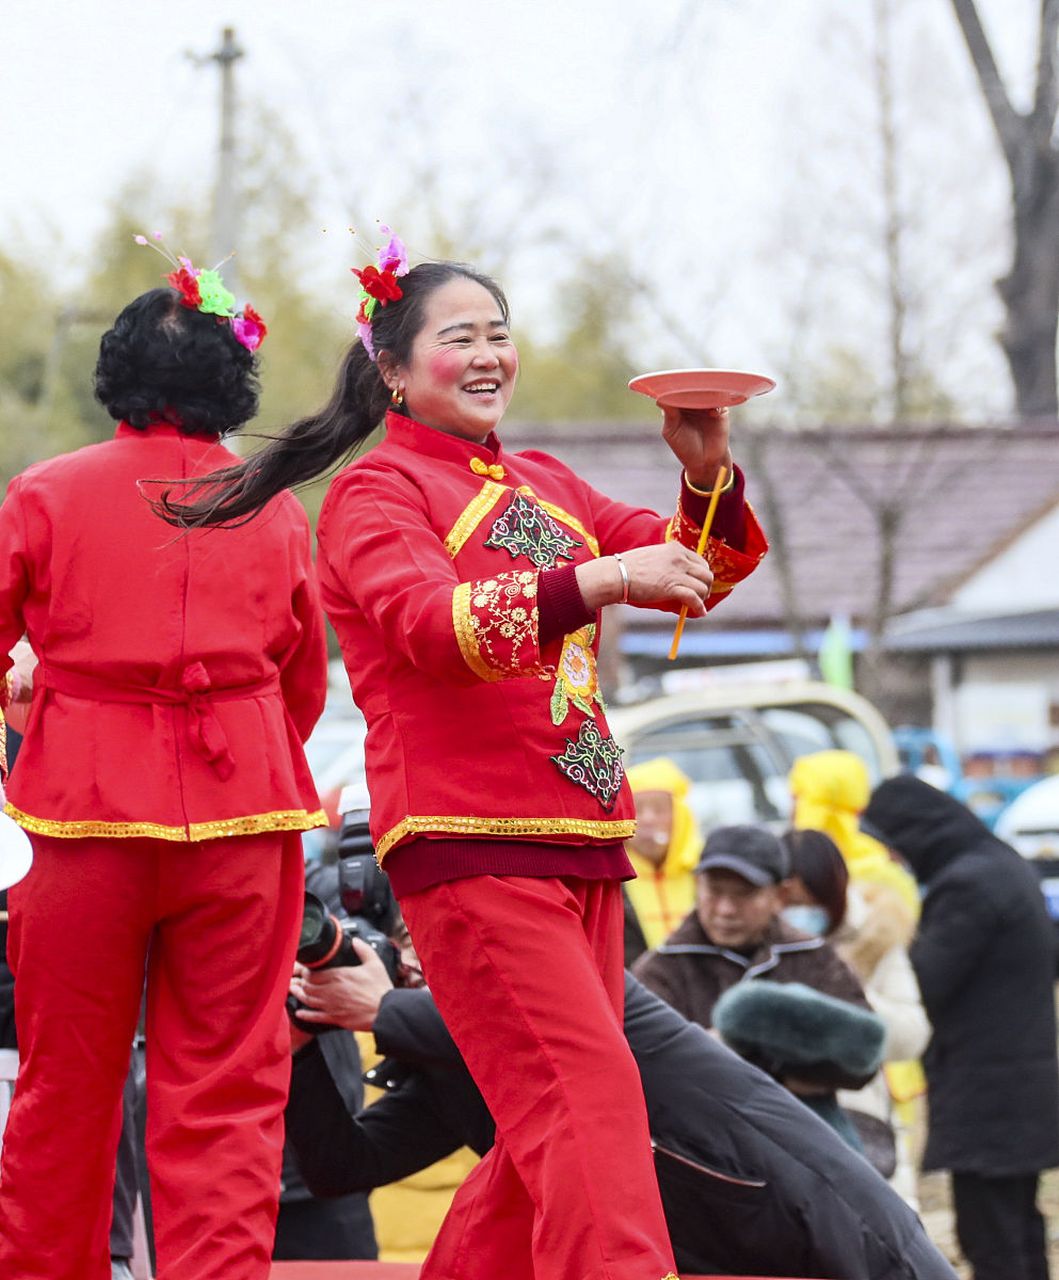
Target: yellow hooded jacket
<point>831,789</point>
<point>663,896</point>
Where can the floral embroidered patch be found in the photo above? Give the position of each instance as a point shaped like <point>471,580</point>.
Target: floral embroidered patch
<point>576,680</point>
<point>525,529</point>
<point>593,762</point>
<point>496,624</point>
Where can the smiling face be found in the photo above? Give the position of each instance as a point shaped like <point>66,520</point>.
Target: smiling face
<point>460,374</point>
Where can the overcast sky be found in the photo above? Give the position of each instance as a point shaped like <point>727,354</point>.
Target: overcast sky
<point>684,130</point>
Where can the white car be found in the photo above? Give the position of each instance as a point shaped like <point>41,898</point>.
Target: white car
<point>1030,824</point>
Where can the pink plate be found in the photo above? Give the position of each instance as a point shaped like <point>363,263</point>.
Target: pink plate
<point>700,388</point>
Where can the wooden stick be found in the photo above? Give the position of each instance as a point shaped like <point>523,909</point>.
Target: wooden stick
<point>707,524</point>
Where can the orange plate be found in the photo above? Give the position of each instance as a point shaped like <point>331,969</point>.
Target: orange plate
<point>700,388</point>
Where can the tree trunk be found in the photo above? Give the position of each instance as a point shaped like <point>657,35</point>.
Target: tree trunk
<point>1030,293</point>
<point>1030,290</point>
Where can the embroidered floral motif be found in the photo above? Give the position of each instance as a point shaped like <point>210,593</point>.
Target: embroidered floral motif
<point>593,762</point>
<point>496,625</point>
<point>526,529</point>
<point>575,677</point>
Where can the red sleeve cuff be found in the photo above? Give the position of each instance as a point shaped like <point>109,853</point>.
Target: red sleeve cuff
<point>560,605</point>
<point>729,520</point>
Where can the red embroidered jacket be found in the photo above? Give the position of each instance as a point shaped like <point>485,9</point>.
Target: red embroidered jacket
<point>430,551</point>
<point>179,673</point>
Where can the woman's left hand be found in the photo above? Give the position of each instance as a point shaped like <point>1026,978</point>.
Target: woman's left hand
<point>699,438</point>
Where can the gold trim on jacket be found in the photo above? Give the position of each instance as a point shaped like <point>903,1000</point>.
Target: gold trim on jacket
<point>248,825</point>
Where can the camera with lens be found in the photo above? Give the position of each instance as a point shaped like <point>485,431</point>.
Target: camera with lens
<point>368,912</point>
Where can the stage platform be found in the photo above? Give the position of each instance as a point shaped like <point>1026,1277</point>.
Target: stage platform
<point>395,1271</point>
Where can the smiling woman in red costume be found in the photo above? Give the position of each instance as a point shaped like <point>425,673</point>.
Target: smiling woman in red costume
<point>163,784</point>
<point>465,585</point>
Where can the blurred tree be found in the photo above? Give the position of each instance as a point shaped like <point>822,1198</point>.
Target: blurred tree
<point>583,374</point>
<point>1030,290</point>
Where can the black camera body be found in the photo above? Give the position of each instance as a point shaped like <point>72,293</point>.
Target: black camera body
<point>369,912</point>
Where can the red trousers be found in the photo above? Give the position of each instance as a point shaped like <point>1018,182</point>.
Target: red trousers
<point>213,926</point>
<point>528,976</point>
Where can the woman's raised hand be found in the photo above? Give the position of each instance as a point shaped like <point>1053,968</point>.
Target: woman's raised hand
<point>699,438</point>
<point>664,575</point>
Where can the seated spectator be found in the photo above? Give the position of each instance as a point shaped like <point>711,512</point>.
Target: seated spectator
<point>735,935</point>
<point>663,851</point>
<point>822,900</point>
<point>750,1181</point>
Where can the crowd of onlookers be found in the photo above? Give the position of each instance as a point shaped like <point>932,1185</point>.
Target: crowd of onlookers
<point>882,931</point>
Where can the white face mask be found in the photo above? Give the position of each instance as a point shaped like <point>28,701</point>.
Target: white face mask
<point>809,919</point>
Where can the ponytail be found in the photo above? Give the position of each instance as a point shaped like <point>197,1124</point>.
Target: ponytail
<point>313,446</point>
<point>307,449</point>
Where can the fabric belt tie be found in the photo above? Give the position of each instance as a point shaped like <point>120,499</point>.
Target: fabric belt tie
<point>205,731</point>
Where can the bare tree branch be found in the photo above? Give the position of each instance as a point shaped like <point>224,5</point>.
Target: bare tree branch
<point>1006,119</point>
<point>1046,98</point>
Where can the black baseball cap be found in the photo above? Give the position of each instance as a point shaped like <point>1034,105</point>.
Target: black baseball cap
<point>750,852</point>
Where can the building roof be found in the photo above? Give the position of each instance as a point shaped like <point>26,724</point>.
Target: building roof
<point>952,631</point>
<point>958,496</point>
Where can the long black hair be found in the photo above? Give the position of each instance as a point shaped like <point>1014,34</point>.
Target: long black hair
<point>312,446</point>
<point>162,359</point>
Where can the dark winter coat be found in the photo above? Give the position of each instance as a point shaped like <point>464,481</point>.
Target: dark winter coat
<point>691,974</point>
<point>751,1181</point>
<point>984,957</point>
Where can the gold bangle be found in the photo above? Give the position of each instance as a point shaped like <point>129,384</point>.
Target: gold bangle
<point>727,487</point>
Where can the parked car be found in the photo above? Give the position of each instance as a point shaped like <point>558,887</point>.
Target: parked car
<point>986,781</point>
<point>737,742</point>
<point>1030,824</point>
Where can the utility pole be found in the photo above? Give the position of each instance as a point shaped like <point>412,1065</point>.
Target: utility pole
<point>224,230</point>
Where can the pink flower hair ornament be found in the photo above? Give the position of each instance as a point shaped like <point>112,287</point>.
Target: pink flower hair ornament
<point>378,284</point>
<point>203,289</point>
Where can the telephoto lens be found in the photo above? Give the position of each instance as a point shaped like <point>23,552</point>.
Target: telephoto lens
<point>320,937</point>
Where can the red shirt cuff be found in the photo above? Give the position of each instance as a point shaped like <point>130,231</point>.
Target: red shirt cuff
<point>560,606</point>
<point>729,520</point>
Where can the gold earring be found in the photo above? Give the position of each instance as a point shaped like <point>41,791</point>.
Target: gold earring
<point>397,396</point>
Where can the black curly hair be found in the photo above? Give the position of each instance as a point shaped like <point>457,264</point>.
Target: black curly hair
<point>163,359</point>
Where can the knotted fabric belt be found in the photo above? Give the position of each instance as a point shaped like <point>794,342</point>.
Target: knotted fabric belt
<point>205,732</point>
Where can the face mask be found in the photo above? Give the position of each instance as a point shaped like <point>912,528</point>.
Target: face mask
<point>809,919</point>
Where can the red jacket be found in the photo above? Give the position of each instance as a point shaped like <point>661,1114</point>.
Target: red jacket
<point>431,548</point>
<point>179,673</point>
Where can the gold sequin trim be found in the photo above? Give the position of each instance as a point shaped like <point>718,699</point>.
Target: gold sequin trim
<point>508,828</point>
<point>483,502</point>
<point>250,824</point>
<point>466,638</point>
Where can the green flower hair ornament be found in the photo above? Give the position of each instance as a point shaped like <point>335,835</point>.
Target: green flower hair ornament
<point>203,289</point>
<point>214,298</point>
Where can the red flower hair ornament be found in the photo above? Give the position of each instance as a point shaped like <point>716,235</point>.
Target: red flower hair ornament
<point>378,284</point>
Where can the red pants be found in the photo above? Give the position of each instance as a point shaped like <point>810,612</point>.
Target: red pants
<point>528,976</point>
<point>214,927</point>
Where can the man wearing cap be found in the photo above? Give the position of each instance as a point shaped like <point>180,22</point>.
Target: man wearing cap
<point>735,934</point>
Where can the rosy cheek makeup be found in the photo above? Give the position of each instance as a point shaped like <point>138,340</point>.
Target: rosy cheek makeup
<point>447,366</point>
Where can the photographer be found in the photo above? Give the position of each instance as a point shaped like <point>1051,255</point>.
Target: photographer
<point>750,1179</point>
<point>308,1228</point>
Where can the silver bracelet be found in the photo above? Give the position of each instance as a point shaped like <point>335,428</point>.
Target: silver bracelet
<point>624,578</point>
